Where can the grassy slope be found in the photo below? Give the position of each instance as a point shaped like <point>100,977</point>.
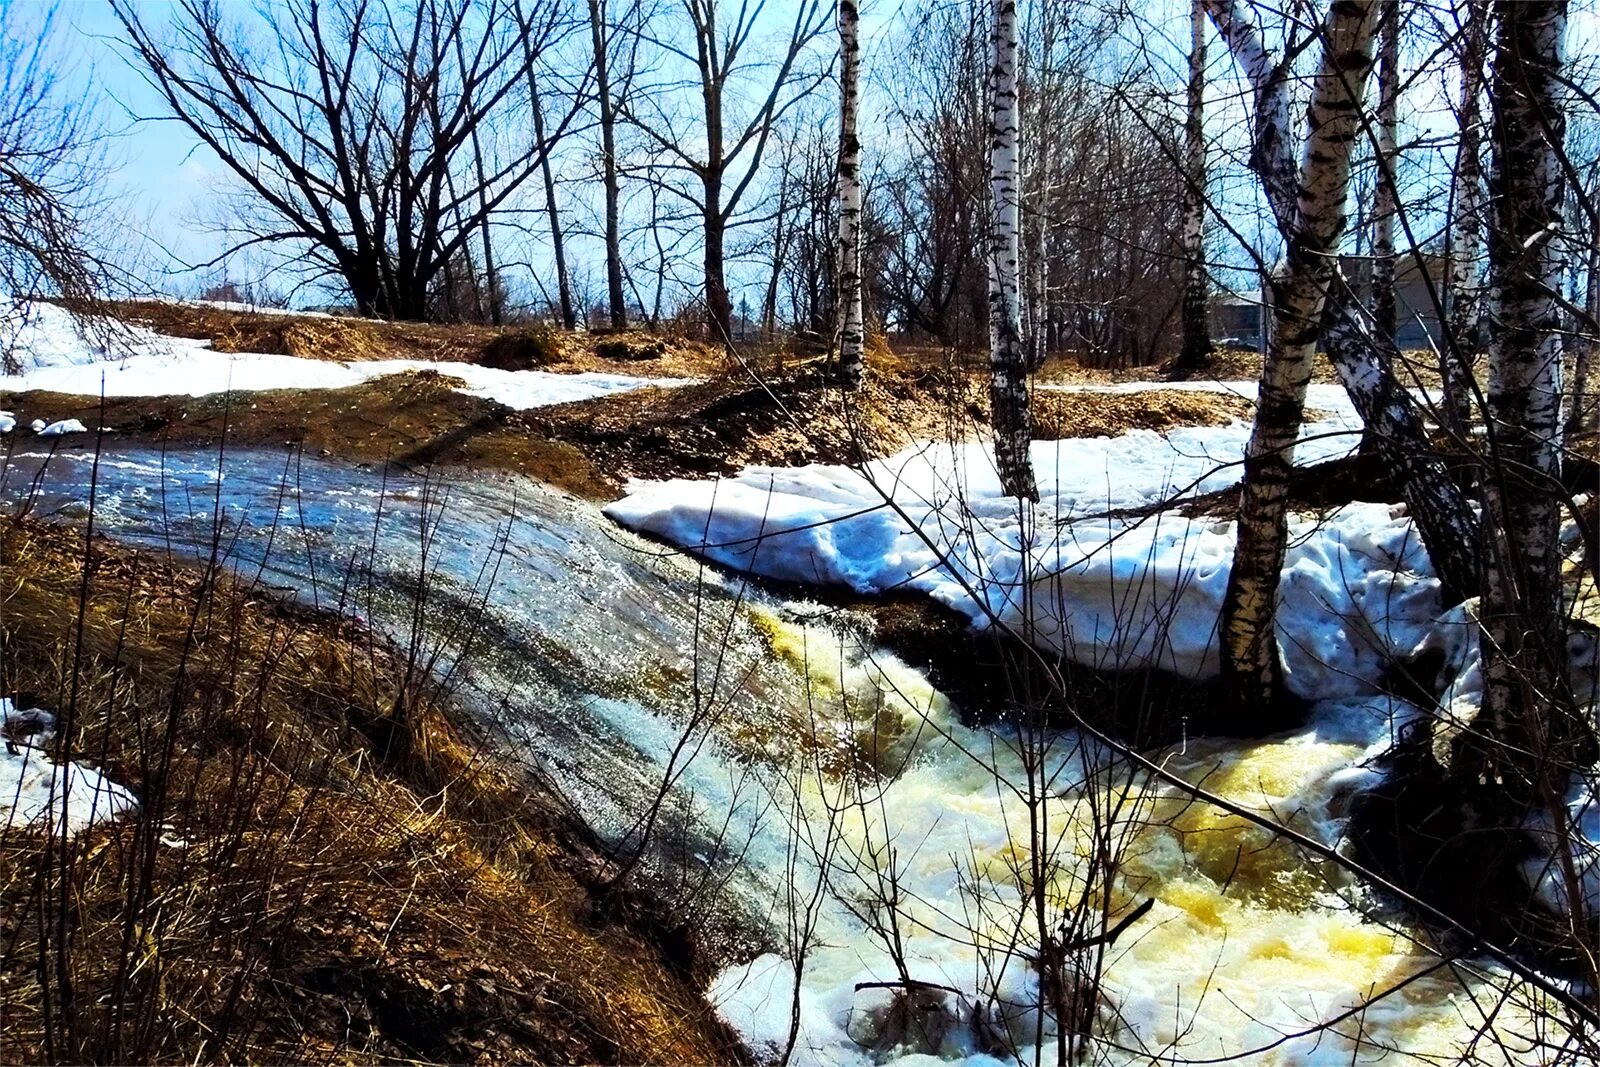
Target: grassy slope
<point>298,885</point>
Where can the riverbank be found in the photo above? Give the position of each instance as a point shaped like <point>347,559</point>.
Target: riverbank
<point>322,861</point>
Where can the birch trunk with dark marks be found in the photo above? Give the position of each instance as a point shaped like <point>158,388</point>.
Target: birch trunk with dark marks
<point>1195,354</point>
<point>852,328</point>
<point>600,37</point>
<point>1465,244</point>
<point>1528,735</point>
<point>1384,311</point>
<point>1442,513</point>
<point>1008,383</point>
<point>1249,644</point>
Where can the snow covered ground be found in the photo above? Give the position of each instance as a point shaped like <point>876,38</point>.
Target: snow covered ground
<point>56,351</point>
<point>1075,572</point>
<point>34,789</point>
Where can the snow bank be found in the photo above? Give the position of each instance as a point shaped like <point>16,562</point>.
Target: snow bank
<point>198,371</point>
<point>33,789</point>
<point>54,350</point>
<point>1075,573</point>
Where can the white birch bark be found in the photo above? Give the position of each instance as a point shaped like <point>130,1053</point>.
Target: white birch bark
<point>1465,247</point>
<point>1249,645</point>
<point>1008,383</point>
<point>1196,351</point>
<point>852,329</point>
<point>1384,205</point>
<point>1531,731</point>
<point>1442,513</point>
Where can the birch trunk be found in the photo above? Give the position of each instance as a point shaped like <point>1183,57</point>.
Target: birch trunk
<point>1441,511</point>
<point>1249,645</point>
<point>1196,352</point>
<point>608,160</point>
<point>852,328</point>
<point>1008,386</point>
<point>1465,247</point>
<point>1384,312</point>
<point>1527,736</point>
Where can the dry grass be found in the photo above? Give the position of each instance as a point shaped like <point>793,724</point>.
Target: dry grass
<point>297,885</point>
<point>346,340</point>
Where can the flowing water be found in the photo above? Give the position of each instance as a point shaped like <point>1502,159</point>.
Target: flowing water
<point>824,793</point>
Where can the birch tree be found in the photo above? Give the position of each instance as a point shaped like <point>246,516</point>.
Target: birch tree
<point>1365,365</point>
<point>1250,654</point>
<point>1465,241</point>
<point>1384,206</point>
<point>852,329</point>
<point>1196,351</point>
<point>1008,384</point>
<point>1528,733</point>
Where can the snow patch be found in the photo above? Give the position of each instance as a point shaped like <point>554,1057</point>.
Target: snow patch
<point>70,797</point>
<point>54,350</point>
<point>1075,573</point>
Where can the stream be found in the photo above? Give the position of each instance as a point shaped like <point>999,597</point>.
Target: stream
<point>811,779</point>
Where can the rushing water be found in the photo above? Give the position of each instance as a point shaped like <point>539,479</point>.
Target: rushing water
<point>808,775</point>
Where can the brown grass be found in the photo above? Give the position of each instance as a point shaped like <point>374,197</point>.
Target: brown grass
<point>296,886</point>
<point>348,339</point>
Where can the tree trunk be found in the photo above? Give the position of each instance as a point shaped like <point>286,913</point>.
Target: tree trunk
<point>1528,735</point>
<point>1008,388</point>
<point>1459,352</point>
<point>1249,645</point>
<point>608,160</point>
<point>1196,352</point>
<point>719,308</point>
<point>569,314</point>
<point>852,329</point>
<point>1385,202</point>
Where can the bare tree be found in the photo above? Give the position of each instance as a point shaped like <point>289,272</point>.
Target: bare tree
<point>1466,220</point>
<point>49,169</point>
<point>606,102</point>
<point>1008,388</point>
<point>852,330</point>
<point>1196,351</point>
<point>1529,733</point>
<point>1385,199</point>
<point>350,134</point>
<point>717,144</point>
<point>1249,641</point>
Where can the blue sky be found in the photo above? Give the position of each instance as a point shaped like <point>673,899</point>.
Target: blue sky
<point>161,172</point>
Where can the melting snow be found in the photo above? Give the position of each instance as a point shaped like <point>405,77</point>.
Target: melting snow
<point>57,351</point>
<point>1076,572</point>
<point>34,789</point>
